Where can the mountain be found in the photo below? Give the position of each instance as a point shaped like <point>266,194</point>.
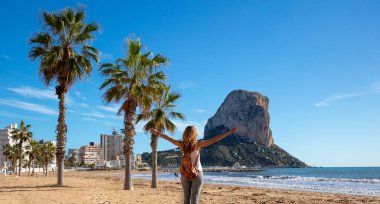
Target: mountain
<point>252,145</point>
<point>245,110</point>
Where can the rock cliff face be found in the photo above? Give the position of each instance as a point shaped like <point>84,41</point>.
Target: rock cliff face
<point>247,111</point>
<point>253,145</point>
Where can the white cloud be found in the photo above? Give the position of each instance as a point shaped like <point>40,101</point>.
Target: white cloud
<point>6,57</point>
<point>24,116</point>
<point>28,106</point>
<point>187,84</point>
<point>112,109</point>
<point>374,89</point>
<point>83,105</point>
<point>89,119</point>
<point>328,101</point>
<point>95,114</point>
<point>80,95</point>
<point>199,110</point>
<point>32,92</point>
<point>48,93</point>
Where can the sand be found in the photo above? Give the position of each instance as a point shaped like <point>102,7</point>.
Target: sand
<point>106,187</point>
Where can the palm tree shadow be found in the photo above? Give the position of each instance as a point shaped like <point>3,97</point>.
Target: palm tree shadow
<point>33,188</point>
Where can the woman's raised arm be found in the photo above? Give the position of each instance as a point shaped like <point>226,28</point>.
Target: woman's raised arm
<point>216,139</point>
<point>173,141</point>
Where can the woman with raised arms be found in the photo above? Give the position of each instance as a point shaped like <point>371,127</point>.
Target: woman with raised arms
<point>191,169</point>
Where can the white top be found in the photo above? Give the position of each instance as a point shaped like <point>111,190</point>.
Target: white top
<point>194,157</point>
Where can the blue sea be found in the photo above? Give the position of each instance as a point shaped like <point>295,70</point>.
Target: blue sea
<point>345,180</point>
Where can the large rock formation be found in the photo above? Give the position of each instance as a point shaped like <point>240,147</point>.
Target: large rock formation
<point>245,110</point>
<point>253,145</point>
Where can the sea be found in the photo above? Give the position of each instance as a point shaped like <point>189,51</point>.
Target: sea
<point>344,180</point>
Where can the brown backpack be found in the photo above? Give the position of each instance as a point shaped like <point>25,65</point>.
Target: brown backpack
<point>188,169</point>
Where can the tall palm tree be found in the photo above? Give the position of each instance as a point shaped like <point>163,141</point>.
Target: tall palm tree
<point>27,153</point>
<point>65,57</point>
<point>47,153</point>
<point>133,81</point>
<point>21,136</point>
<point>160,118</point>
<point>7,152</point>
<point>32,153</point>
<point>38,160</point>
<point>14,155</point>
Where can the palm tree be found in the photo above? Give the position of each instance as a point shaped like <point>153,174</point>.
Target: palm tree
<point>133,81</point>
<point>159,118</point>
<point>32,153</point>
<point>72,161</point>
<point>7,152</point>
<point>65,57</point>
<point>27,153</point>
<point>48,151</point>
<point>38,160</point>
<point>13,156</point>
<point>21,135</point>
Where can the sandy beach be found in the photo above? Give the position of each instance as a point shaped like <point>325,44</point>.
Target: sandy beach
<point>106,187</point>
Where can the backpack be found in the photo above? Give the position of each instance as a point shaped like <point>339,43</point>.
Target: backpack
<point>188,169</point>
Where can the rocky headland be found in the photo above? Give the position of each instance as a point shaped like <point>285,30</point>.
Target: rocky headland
<point>251,146</point>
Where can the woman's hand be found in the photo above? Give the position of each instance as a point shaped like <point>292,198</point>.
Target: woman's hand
<point>233,130</point>
<point>154,131</point>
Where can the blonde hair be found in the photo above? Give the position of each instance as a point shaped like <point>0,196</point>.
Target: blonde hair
<point>189,137</point>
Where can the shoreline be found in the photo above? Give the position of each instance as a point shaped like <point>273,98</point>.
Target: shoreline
<point>309,184</point>
<point>107,187</point>
<point>215,169</point>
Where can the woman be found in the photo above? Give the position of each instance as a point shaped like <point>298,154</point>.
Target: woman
<point>189,144</point>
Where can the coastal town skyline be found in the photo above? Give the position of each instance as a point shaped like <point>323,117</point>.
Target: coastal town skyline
<point>323,86</point>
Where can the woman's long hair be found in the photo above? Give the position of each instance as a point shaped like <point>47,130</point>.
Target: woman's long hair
<point>189,137</point>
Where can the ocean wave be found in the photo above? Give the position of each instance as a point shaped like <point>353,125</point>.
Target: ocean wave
<point>334,185</point>
<point>346,186</point>
<point>373,181</point>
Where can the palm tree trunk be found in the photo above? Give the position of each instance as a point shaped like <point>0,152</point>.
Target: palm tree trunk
<point>33,169</point>
<point>129,131</point>
<point>15,167</point>
<point>153,144</point>
<point>61,136</point>
<point>19,158</point>
<point>29,167</point>
<point>11,168</point>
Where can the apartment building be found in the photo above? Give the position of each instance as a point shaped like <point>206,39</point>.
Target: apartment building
<point>90,153</point>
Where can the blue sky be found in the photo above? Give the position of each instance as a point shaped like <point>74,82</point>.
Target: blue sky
<point>317,61</point>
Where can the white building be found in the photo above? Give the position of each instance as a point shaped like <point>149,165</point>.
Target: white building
<point>113,146</point>
<point>100,164</point>
<point>5,138</point>
<point>115,163</point>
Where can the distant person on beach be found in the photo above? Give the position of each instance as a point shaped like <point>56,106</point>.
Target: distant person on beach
<point>191,146</point>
